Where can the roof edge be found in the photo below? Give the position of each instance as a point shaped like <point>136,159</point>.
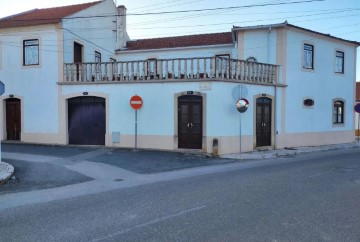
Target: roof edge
<point>179,36</point>
<point>172,48</point>
<point>286,24</point>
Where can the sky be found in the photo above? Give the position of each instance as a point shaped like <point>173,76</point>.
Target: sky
<point>338,18</point>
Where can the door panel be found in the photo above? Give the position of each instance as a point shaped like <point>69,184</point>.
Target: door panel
<point>190,122</point>
<point>263,122</point>
<point>86,121</point>
<point>13,119</point>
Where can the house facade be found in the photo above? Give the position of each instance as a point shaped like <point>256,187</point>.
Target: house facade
<point>299,85</point>
<point>357,100</point>
<point>33,48</point>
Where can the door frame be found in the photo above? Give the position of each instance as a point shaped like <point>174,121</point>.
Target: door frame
<point>273,125</point>
<point>4,98</point>
<point>176,135</point>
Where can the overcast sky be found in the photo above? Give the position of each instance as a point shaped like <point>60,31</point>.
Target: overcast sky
<point>338,18</point>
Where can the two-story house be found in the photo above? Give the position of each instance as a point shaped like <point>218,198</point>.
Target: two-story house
<point>299,85</point>
<point>357,100</point>
<point>34,46</point>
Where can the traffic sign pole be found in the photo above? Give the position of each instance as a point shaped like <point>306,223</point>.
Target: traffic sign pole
<point>357,109</point>
<point>135,129</point>
<point>136,103</point>
<point>358,127</point>
<point>2,90</point>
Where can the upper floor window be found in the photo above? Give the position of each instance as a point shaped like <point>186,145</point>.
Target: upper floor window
<point>151,68</point>
<point>308,56</point>
<point>338,112</point>
<point>339,62</point>
<point>97,57</point>
<point>31,52</point>
<point>98,61</point>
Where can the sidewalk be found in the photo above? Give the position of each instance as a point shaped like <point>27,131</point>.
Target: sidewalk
<point>254,155</point>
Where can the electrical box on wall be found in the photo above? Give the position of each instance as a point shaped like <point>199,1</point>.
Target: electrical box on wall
<point>115,137</point>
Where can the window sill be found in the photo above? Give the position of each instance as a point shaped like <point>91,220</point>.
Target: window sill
<point>338,125</point>
<point>308,69</point>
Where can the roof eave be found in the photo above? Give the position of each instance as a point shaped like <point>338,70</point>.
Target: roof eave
<point>174,48</point>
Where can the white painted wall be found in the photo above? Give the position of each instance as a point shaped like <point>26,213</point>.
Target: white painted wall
<point>187,52</point>
<point>321,84</point>
<point>36,85</point>
<point>157,116</point>
<point>95,34</point>
<point>260,44</point>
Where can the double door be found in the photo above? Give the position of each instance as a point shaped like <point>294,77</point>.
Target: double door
<point>190,122</point>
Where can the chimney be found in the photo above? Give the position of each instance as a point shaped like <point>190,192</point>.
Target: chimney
<point>121,35</point>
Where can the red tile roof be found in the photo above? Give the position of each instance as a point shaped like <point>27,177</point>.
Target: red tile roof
<point>43,16</point>
<point>357,91</point>
<point>180,41</point>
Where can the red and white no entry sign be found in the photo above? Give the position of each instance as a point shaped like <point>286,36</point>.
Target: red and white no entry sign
<point>136,102</point>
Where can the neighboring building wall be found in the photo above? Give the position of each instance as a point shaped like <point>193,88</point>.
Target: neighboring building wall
<point>357,100</point>
<point>260,44</point>
<point>314,125</point>
<point>94,33</point>
<point>187,52</point>
<point>34,85</point>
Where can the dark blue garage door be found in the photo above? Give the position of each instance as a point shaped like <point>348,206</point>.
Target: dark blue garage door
<point>86,120</point>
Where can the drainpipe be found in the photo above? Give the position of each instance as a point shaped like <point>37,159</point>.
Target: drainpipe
<point>275,90</point>
<point>268,49</point>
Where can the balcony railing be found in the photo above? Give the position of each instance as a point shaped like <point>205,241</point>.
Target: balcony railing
<point>218,68</point>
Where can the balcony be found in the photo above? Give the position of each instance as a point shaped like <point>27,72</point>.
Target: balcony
<point>167,70</point>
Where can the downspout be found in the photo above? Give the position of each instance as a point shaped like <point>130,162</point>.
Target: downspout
<point>275,89</point>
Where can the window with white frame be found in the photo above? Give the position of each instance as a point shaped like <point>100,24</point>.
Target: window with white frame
<point>338,112</point>
<point>308,56</point>
<point>31,52</point>
<point>339,62</point>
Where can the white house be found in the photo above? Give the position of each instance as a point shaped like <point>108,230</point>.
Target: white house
<point>357,100</point>
<point>299,84</point>
<point>34,46</point>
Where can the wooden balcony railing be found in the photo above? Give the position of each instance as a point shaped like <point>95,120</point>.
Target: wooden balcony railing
<point>170,69</point>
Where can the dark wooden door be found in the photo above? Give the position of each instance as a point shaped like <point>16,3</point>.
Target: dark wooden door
<point>13,119</point>
<point>86,121</point>
<point>77,57</point>
<point>190,122</point>
<point>263,122</point>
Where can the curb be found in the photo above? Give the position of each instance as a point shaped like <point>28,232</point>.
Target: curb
<point>6,171</point>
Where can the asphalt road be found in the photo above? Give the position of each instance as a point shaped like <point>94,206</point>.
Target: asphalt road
<point>312,197</point>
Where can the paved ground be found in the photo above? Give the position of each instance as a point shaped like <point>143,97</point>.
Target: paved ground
<point>43,167</point>
<point>33,176</point>
<point>310,197</point>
